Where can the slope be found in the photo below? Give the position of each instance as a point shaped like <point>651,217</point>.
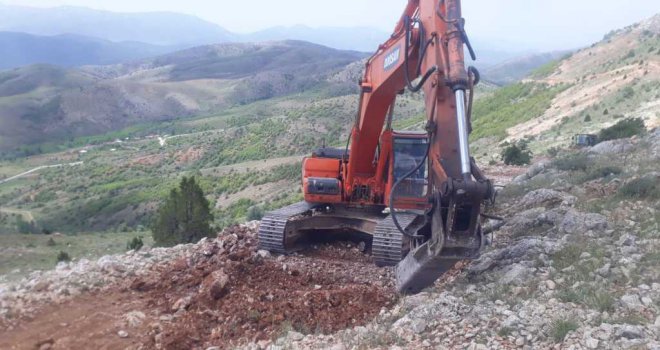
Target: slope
<point>47,103</point>
<point>593,88</point>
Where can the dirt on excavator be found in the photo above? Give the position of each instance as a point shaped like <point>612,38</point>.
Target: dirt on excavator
<point>224,294</point>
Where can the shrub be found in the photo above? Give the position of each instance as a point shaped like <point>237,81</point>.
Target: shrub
<point>572,162</point>
<point>553,151</point>
<point>625,128</point>
<point>641,188</point>
<point>602,172</point>
<point>560,328</point>
<point>255,212</point>
<point>185,217</point>
<point>606,112</point>
<point>63,256</point>
<point>135,244</point>
<point>51,242</point>
<point>587,118</point>
<point>516,153</point>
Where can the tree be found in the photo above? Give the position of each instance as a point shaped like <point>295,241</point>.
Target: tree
<point>516,153</point>
<point>185,217</point>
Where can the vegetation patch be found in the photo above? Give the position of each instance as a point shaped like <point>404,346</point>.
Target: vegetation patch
<point>561,328</point>
<point>647,187</point>
<point>511,105</point>
<point>622,129</point>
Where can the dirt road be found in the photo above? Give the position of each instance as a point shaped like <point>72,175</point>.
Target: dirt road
<point>225,294</point>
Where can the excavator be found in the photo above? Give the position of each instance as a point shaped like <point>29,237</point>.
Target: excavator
<point>419,196</point>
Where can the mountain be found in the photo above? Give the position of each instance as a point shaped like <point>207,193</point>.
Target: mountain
<point>70,50</point>
<point>517,68</point>
<point>586,91</point>
<point>347,38</point>
<point>157,28</point>
<point>44,102</point>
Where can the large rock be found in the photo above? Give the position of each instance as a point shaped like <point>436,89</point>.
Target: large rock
<point>215,285</point>
<point>612,147</point>
<point>516,274</point>
<point>577,222</point>
<point>547,197</point>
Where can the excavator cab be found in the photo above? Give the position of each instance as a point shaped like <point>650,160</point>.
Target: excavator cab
<point>408,151</point>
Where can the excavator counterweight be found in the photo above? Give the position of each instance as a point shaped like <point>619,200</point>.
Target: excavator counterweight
<point>418,196</point>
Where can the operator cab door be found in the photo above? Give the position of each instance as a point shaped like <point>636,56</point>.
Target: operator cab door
<point>408,151</point>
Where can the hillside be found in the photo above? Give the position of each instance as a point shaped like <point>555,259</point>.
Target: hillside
<point>68,50</point>
<point>574,267</point>
<point>593,88</point>
<point>46,103</point>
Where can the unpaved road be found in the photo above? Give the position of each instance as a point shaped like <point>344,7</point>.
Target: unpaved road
<point>37,169</point>
<point>224,294</point>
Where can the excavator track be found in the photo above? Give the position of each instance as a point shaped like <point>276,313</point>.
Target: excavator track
<point>273,227</point>
<point>388,246</point>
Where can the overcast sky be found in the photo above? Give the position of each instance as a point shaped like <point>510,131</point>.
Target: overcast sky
<point>533,24</point>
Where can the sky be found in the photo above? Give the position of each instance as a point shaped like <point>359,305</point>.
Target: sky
<point>540,25</point>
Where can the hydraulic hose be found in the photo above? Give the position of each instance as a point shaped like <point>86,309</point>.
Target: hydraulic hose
<point>424,46</point>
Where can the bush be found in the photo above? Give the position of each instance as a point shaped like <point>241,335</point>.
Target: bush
<point>560,328</point>
<point>63,256</point>
<point>51,242</point>
<point>623,129</point>
<point>602,172</point>
<point>255,212</point>
<point>572,162</point>
<point>135,244</point>
<point>587,118</point>
<point>185,217</point>
<point>641,188</point>
<point>516,153</point>
<point>553,151</point>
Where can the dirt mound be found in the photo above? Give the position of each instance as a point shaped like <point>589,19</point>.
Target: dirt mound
<point>228,293</point>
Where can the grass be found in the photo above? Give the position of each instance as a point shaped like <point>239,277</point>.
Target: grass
<point>511,105</point>
<point>30,252</point>
<point>647,187</point>
<point>561,328</point>
<point>596,298</point>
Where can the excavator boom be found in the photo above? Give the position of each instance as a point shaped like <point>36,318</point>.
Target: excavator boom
<point>417,195</point>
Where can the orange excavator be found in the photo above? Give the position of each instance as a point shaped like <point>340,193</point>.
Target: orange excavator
<point>417,196</point>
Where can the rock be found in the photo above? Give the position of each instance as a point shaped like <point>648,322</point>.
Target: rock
<point>630,332</point>
<point>122,334</point>
<point>182,303</point>
<point>546,197</point>
<point>516,274</point>
<point>215,285</point>
<point>632,302</point>
<point>418,326</point>
<point>612,147</point>
<point>626,240</point>
<point>520,341</point>
<point>362,247</point>
<point>264,254</point>
<point>604,271</point>
<point>41,286</point>
<point>577,222</point>
<point>592,343</point>
<point>213,348</point>
<point>647,301</point>
<point>550,284</point>
<point>296,336</point>
<point>47,346</point>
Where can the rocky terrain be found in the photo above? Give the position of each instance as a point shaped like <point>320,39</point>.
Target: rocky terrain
<point>575,266</point>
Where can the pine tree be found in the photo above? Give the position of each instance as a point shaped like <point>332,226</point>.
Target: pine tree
<point>185,217</point>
